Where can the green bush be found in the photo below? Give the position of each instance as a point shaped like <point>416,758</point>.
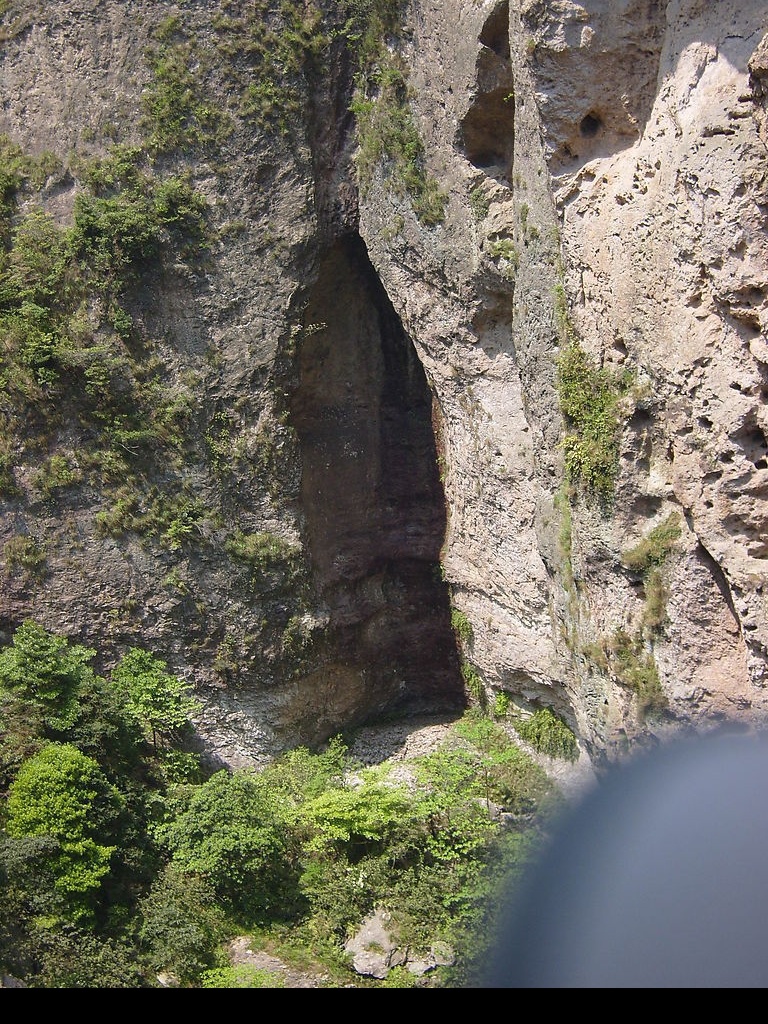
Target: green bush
<point>461,626</point>
<point>168,868</point>
<point>38,268</point>
<point>161,703</point>
<point>504,249</point>
<point>652,551</point>
<point>174,519</point>
<point>502,757</point>
<point>241,976</point>
<point>548,734</point>
<point>590,401</point>
<point>75,958</point>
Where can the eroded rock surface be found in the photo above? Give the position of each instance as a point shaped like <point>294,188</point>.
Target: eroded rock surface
<point>378,397</point>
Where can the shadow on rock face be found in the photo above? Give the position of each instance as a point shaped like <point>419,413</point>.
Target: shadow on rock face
<point>372,497</point>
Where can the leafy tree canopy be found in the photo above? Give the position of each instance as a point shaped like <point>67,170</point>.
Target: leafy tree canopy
<point>160,702</point>
<point>64,794</point>
<point>237,834</point>
<point>47,670</point>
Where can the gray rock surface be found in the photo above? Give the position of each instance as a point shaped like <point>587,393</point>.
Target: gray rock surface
<point>380,395</point>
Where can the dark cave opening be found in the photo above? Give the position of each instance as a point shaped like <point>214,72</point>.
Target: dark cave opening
<point>371,494</point>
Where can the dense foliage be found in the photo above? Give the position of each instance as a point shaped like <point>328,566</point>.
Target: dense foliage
<point>123,860</point>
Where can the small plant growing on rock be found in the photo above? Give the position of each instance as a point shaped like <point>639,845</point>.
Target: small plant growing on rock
<point>548,734</point>
<point>635,666</point>
<point>590,399</point>
<point>24,556</point>
<point>474,684</point>
<point>478,203</point>
<point>461,626</point>
<point>648,557</point>
<point>501,705</point>
<point>652,551</point>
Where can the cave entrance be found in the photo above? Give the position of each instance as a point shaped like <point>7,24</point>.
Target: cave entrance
<point>372,496</point>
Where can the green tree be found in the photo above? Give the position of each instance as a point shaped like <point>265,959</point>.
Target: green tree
<point>302,775</point>
<point>48,692</point>
<point>64,794</point>
<point>181,925</point>
<point>67,957</point>
<point>27,895</point>
<point>237,833</point>
<point>45,670</point>
<point>106,730</point>
<point>504,773</point>
<point>358,821</point>
<point>356,841</point>
<point>160,702</point>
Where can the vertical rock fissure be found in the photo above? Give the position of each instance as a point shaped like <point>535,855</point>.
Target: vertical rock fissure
<point>372,497</point>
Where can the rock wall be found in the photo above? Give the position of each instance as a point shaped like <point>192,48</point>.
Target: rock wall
<point>377,428</point>
<point>630,181</point>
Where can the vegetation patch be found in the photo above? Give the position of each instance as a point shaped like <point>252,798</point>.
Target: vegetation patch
<point>69,343</point>
<point>502,704</point>
<point>628,654</point>
<point>504,251</point>
<point>652,551</point>
<point>562,504</point>
<point>264,550</point>
<point>548,734</point>
<point>474,684</point>
<point>479,203</point>
<point>648,557</point>
<point>123,858</point>
<point>171,518</point>
<point>389,139</point>
<point>634,665</point>
<point>462,627</point>
<point>55,475</point>
<point>24,555</point>
<point>591,402</point>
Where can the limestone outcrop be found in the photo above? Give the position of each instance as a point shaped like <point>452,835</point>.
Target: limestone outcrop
<point>631,190</point>
<point>517,383</point>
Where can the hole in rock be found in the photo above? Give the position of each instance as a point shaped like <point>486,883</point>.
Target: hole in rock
<point>495,32</point>
<point>751,439</point>
<point>487,133</point>
<point>590,125</point>
<point>372,497</point>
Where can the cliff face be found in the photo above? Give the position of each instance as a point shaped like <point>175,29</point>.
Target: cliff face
<point>624,168</point>
<point>520,374</point>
